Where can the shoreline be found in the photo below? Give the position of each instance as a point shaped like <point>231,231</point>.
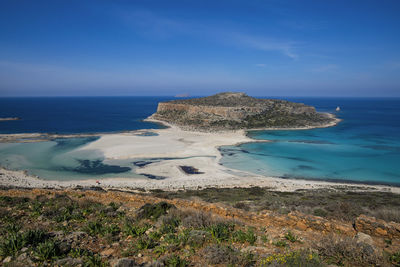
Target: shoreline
<point>183,148</point>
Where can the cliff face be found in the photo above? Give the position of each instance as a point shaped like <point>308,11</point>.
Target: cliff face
<point>228,111</point>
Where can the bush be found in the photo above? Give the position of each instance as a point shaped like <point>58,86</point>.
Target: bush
<point>221,231</point>
<point>94,261</point>
<point>248,236</point>
<point>94,228</point>
<point>280,243</point>
<point>347,251</point>
<point>15,241</point>
<point>320,212</point>
<point>175,261</point>
<point>217,254</point>
<point>47,251</point>
<point>291,237</point>
<point>297,258</point>
<point>395,259</point>
<point>197,219</point>
<point>134,230</point>
<point>153,211</point>
<point>11,245</point>
<point>145,243</point>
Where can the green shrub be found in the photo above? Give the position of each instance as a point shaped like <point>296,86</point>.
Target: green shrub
<point>291,237</point>
<point>94,228</point>
<point>221,231</point>
<point>11,245</point>
<point>15,241</point>
<point>154,211</point>
<point>79,252</point>
<point>242,237</point>
<point>395,258</point>
<point>175,261</point>
<point>296,258</point>
<point>145,243</point>
<point>112,229</point>
<point>94,261</point>
<point>47,251</point>
<point>135,230</point>
<point>280,243</point>
<point>320,212</point>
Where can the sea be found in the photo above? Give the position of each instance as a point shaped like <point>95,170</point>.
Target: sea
<point>364,147</point>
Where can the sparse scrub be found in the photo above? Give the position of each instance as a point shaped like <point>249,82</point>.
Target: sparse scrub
<point>296,258</point>
<point>153,211</point>
<point>135,230</point>
<point>291,237</point>
<point>248,236</point>
<point>280,243</point>
<point>221,231</point>
<point>347,252</point>
<point>47,251</point>
<point>175,261</point>
<point>94,228</point>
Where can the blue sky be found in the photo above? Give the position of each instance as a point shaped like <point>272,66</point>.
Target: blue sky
<point>264,48</point>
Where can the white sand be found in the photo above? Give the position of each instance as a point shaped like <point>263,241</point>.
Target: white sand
<point>195,149</point>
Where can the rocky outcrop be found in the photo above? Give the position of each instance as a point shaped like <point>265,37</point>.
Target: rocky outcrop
<point>229,111</point>
<point>376,227</point>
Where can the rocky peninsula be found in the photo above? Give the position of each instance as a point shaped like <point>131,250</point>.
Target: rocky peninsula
<point>233,111</point>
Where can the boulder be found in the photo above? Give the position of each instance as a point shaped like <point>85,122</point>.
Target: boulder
<point>124,262</point>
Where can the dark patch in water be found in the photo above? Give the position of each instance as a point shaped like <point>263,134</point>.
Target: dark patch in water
<point>154,177</point>
<point>98,167</point>
<point>312,142</point>
<point>382,147</point>
<point>190,170</point>
<point>141,163</point>
<point>305,167</point>
<point>147,134</point>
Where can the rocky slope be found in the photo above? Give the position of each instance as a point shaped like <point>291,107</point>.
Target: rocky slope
<point>45,227</point>
<point>230,111</point>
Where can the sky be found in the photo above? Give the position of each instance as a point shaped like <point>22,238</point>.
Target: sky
<point>346,48</point>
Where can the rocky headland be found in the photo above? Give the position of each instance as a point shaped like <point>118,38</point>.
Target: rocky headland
<point>232,111</point>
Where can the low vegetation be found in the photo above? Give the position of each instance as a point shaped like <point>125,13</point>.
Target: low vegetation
<point>335,203</point>
<point>74,230</point>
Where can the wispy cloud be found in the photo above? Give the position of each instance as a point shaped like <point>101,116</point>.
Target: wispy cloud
<point>261,65</point>
<point>267,44</point>
<point>156,25</point>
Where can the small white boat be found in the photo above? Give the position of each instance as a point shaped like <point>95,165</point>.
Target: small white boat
<point>338,108</point>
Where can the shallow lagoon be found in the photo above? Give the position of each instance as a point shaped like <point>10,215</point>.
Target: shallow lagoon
<point>61,160</point>
<point>365,146</point>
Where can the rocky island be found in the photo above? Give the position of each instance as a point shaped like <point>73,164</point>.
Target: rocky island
<point>10,119</point>
<point>232,111</point>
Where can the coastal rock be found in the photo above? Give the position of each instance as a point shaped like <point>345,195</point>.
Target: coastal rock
<point>124,262</point>
<point>376,227</point>
<point>230,111</point>
<point>364,239</point>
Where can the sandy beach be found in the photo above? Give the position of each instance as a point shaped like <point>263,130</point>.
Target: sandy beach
<point>198,150</point>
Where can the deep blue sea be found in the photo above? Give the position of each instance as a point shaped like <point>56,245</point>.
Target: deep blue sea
<point>67,115</point>
<point>364,147</point>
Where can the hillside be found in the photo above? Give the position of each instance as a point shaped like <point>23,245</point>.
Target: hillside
<point>81,227</point>
<point>230,111</point>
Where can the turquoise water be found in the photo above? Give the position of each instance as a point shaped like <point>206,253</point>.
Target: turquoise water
<point>364,147</point>
<point>62,160</point>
